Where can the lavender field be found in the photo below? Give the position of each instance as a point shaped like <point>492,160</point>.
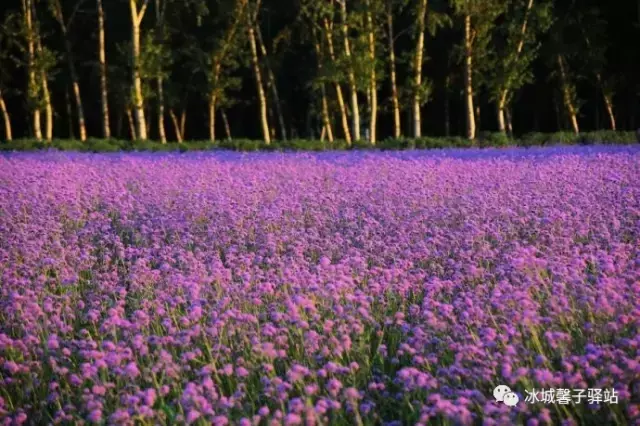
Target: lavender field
<point>297,289</point>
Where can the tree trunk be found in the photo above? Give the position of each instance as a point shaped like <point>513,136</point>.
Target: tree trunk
<point>502,103</point>
<point>608,102</point>
<point>212,118</point>
<point>176,125</point>
<point>468,79</point>
<point>509,122</point>
<point>373,83</point>
<point>417,70</point>
<point>32,87</point>
<point>339,95</point>
<point>161,128</point>
<point>272,83</point>
<point>138,100</point>
<point>567,96</point>
<point>159,80</point>
<point>556,108</point>
<point>8,135</point>
<point>395,103</point>
<point>504,93</point>
<point>326,118</point>
<point>225,122</point>
<point>75,84</point>
<point>102,59</point>
<point>502,124</point>
<point>132,125</point>
<point>259,86</point>
<point>67,99</point>
<point>447,107</point>
<point>355,110</point>
<point>46,95</point>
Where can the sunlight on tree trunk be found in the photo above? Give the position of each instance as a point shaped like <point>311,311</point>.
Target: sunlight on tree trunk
<point>395,103</point>
<point>225,122</point>
<point>176,125</point>
<point>212,118</point>
<point>102,59</point>
<point>339,95</point>
<point>373,83</point>
<point>32,87</point>
<point>355,110</point>
<point>417,70</point>
<point>132,125</point>
<point>326,117</point>
<point>138,99</point>
<point>46,94</point>
<point>468,79</point>
<point>266,134</point>
<point>567,95</point>
<point>272,83</point>
<point>8,134</point>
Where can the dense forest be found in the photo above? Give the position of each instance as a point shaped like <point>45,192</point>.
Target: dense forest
<point>331,69</point>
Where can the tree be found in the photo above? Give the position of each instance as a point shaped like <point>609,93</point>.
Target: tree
<point>370,11</point>
<point>102,68</point>
<point>418,62</point>
<point>328,26</point>
<point>219,59</point>
<point>33,89</point>
<point>562,52</point>
<point>515,48</point>
<point>478,18</point>
<point>326,118</point>
<point>271,79</point>
<point>137,15</point>
<point>355,109</point>
<point>257,72</point>
<point>391,39</point>
<point>65,27</point>
<point>4,79</point>
<point>592,29</point>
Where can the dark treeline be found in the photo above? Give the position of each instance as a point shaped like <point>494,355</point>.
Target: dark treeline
<point>330,69</point>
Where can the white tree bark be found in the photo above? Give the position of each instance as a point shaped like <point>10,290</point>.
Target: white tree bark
<point>138,99</point>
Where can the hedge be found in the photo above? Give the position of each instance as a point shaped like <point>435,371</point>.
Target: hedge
<point>484,140</point>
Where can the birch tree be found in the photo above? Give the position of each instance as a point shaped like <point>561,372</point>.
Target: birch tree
<point>102,70</point>
<point>66,28</point>
<point>271,79</point>
<point>355,108</point>
<point>514,48</point>
<point>478,19</point>
<point>33,88</point>
<point>393,79</point>
<point>593,31</point>
<point>4,80</point>
<point>418,61</point>
<point>219,59</point>
<point>45,60</point>
<point>257,72</point>
<point>328,25</point>
<point>137,9</point>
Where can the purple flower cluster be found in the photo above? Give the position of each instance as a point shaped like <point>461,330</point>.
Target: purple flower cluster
<point>291,289</point>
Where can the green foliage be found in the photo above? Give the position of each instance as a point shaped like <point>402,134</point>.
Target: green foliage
<point>485,140</point>
<point>507,66</point>
<point>494,139</point>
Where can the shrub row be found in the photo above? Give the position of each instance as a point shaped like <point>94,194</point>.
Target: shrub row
<point>484,140</point>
